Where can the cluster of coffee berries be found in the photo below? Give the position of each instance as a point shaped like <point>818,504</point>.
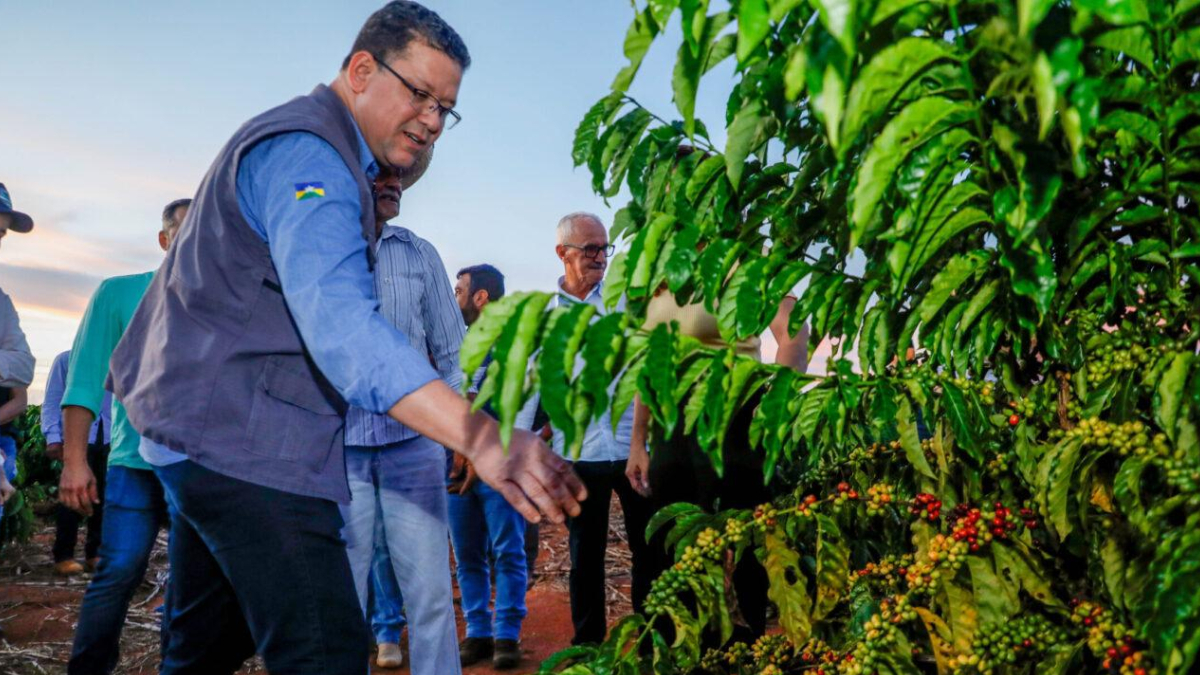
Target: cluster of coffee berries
<point>815,651</point>
<point>1022,408</point>
<point>984,389</point>
<point>1110,640</point>
<point>897,609</point>
<point>945,553</point>
<point>978,527</point>
<point>772,650</point>
<point>879,638</point>
<point>890,570</point>
<point>879,496</point>
<point>844,493</point>
<point>765,516</point>
<point>735,530</point>
<point>806,505</point>
<point>1001,462</point>
<point>1182,472</point>
<point>1117,356</point>
<point>925,507</point>
<point>732,658</point>
<point>1127,438</point>
<point>1029,516</point>
<point>664,593</point>
<point>873,451</point>
<point>1020,640</point>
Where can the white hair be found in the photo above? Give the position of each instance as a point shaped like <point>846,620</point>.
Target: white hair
<point>566,226</point>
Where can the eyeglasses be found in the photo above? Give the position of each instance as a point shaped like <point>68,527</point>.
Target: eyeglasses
<point>423,101</point>
<point>593,250</point>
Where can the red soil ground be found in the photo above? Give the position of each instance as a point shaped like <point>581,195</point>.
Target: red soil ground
<point>38,610</point>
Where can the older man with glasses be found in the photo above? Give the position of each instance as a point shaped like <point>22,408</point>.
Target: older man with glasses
<point>583,248</point>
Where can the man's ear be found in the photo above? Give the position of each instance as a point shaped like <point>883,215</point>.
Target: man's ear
<point>163,242</point>
<point>362,65</point>
<point>561,251</point>
<point>480,298</point>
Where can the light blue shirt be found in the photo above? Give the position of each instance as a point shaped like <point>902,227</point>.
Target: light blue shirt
<point>328,287</point>
<point>415,296</point>
<point>600,444</point>
<point>52,405</point>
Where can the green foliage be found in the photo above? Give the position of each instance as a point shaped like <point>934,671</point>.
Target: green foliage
<point>36,482</point>
<point>991,209</point>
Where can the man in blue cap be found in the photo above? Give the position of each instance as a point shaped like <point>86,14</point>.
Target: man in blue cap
<point>16,360</point>
<point>259,329</point>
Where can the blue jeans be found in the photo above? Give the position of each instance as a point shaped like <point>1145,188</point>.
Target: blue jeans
<point>483,520</point>
<point>387,602</point>
<point>403,485</point>
<point>8,445</point>
<point>134,509</point>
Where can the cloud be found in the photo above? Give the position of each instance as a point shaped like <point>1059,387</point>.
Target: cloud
<point>60,292</point>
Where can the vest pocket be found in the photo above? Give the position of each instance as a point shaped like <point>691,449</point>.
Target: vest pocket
<point>290,419</point>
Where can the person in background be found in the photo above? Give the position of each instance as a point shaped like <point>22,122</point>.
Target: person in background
<point>385,599</point>
<point>16,360</point>
<point>583,248</point>
<point>487,532</point>
<point>395,474</point>
<point>66,521</point>
<point>133,502</point>
<point>677,470</point>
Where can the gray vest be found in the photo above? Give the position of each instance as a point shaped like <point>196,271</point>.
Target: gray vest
<point>212,364</point>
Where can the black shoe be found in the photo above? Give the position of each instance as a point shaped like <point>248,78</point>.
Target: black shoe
<point>473,650</point>
<point>508,654</point>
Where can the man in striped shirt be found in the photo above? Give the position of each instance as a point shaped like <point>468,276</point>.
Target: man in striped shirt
<point>395,473</point>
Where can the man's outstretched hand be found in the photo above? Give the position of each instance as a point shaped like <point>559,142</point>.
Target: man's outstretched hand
<point>531,477</point>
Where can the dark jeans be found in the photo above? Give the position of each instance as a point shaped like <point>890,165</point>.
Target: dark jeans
<point>257,570</point>
<point>532,546</point>
<point>589,540</point>
<point>680,472</point>
<point>66,521</point>
<point>133,511</point>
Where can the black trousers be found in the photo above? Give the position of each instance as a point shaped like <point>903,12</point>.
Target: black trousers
<point>589,541</point>
<point>680,472</point>
<point>66,521</point>
<point>257,570</point>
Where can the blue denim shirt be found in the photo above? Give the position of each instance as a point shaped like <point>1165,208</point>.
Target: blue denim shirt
<point>371,362</point>
<point>52,406</point>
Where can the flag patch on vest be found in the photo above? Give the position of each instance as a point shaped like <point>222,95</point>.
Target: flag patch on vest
<point>309,190</point>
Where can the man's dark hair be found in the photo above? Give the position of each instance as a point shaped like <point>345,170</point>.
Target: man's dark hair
<point>390,29</point>
<point>484,277</point>
<point>168,216</point>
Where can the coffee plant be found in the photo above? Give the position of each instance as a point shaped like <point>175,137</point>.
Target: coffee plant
<point>36,482</point>
<point>992,209</point>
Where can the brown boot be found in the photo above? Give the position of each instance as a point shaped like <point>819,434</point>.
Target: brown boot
<point>67,568</point>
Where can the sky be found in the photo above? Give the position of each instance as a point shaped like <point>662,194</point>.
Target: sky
<point>111,110</point>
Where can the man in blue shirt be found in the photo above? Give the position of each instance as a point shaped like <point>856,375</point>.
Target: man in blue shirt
<point>583,248</point>
<point>66,525</point>
<point>395,474</point>
<point>483,526</point>
<point>261,327</point>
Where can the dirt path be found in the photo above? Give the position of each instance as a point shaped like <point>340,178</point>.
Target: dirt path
<point>38,610</point>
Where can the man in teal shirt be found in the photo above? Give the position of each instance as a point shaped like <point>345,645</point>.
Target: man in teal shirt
<point>134,508</point>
